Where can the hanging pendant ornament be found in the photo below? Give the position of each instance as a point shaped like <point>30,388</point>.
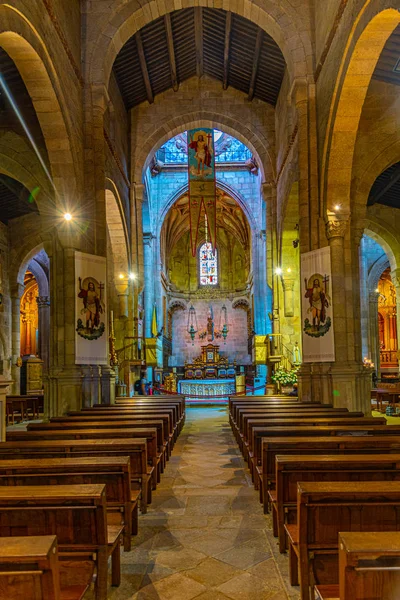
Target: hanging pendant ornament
<point>201,173</point>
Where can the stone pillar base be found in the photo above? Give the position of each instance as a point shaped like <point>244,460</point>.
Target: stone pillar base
<point>343,385</point>
<point>63,390</point>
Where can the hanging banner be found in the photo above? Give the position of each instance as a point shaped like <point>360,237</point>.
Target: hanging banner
<point>91,338</point>
<point>316,306</point>
<point>201,169</point>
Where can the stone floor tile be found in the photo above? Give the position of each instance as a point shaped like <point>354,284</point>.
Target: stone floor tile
<point>212,572</point>
<point>250,587</point>
<point>247,555</point>
<point>173,587</point>
<point>179,558</point>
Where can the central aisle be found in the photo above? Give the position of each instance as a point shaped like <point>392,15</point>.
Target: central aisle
<point>205,536</point>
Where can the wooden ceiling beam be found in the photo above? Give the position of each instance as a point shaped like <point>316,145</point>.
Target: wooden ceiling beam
<point>228,28</point>
<point>171,52</point>
<point>198,32</point>
<point>256,60</point>
<point>395,178</point>
<point>143,66</point>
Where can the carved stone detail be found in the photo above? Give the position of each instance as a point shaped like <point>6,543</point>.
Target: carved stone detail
<point>336,228</point>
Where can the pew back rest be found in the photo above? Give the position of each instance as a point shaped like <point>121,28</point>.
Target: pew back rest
<point>113,472</point>
<point>369,565</point>
<point>75,513</point>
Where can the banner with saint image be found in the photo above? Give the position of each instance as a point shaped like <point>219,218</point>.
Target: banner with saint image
<point>316,306</point>
<point>91,320</point>
<point>201,170</point>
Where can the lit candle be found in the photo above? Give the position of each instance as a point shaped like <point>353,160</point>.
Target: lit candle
<point>112,321</point>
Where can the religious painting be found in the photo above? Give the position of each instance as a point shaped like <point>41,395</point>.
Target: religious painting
<point>91,341</point>
<point>90,325</point>
<point>318,336</point>
<point>201,173</point>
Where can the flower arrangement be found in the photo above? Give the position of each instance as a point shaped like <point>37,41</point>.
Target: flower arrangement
<point>284,377</point>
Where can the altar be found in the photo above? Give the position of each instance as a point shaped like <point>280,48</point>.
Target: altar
<point>206,391</point>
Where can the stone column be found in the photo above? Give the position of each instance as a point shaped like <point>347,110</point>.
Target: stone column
<point>148,282</point>
<point>271,249</point>
<point>16,294</point>
<point>373,331</point>
<point>396,282</point>
<point>288,288</point>
<point>43,303</point>
<point>364,301</point>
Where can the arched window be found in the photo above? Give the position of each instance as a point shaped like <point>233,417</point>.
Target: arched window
<point>208,263</point>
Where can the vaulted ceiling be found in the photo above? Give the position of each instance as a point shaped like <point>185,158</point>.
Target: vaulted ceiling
<point>15,199</point>
<point>388,66</point>
<point>230,217</point>
<point>197,41</point>
<point>386,189</point>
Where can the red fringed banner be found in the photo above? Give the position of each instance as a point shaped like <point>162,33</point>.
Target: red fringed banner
<point>201,169</point>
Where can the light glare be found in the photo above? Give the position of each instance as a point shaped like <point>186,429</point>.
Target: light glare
<point>68,217</point>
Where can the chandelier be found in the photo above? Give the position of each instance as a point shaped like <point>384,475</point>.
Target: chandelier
<point>223,323</point>
<point>192,323</point>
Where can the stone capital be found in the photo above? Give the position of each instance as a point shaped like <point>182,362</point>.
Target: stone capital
<point>148,238</point>
<point>395,275</point>
<point>268,190</point>
<point>139,191</point>
<point>43,301</point>
<point>287,283</point>
<point>299,91</point>
<point>373,296</point>
<point>336,225</point>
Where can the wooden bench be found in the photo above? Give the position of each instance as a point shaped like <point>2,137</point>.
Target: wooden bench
<point>113,471</point>
<point>252,446</point>
<point>92,434</point>
<point>313,431</point>
<point>302,446</point>
<point>104,424</point>
<point>369,567</point>
<point>144,413</point>
<point>324,510</point>
<point>109,418</point>
<point>279,420</point>
<point>76,514</point>
<point>134,448</point>
<point>242,414</point>
<point>290,470</point>
<point>30,569</point>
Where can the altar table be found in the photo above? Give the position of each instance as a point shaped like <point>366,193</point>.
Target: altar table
<point>206,391</point>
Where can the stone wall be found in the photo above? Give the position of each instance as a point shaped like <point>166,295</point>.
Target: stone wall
<point>236,342</point>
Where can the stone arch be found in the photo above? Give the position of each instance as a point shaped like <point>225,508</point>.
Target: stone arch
<point>223,186</point>
<point>24,262</point>
<point>259,147</point>
<point>23,167</point>
<point>375,274</point>
<point>388,156</point>
<point>23,44</point>
<point>361,55</point>
<point>387,241</point>
<point>279,18</point>
<point>117,228</point>
<point>40,276</point>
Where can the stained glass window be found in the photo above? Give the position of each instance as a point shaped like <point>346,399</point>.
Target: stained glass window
<point>208,265</point>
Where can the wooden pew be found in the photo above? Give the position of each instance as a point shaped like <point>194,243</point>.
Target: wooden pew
<point>291,470</point>
<point>108,417</point>
<point>30,569</point>
<point>134,448</point>
<point>113,471</point>
<point>242,414</point>
<point>258,428</point>
<point>313,431</point>
<point>324,510</point>
<point>150,435</point>
<point>77,514</point>
<point>105,424</point>
<point>369,567</point>
<point>302,446</point>
<point>130,420</point>
<point>251,420</point>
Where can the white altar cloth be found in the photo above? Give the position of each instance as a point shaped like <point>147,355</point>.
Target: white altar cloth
<point>206,391</point>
